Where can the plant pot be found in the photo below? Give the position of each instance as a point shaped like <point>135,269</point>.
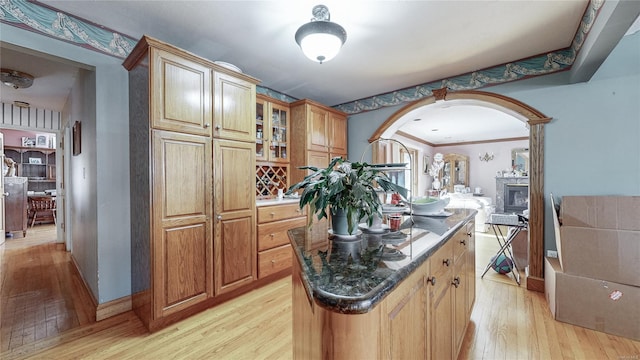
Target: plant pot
<point>340,224</point>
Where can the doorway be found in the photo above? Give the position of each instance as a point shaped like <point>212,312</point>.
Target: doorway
<point>536,121</point>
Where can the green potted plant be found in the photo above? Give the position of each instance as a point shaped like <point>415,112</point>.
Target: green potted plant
<point>348,190</point>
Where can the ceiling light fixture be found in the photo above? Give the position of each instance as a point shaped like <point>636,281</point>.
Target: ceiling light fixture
<point>15,79</point>
<point>21,104</point>
<point>320,39</point>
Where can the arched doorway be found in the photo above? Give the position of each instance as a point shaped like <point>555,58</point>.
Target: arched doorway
<point>536,121</point>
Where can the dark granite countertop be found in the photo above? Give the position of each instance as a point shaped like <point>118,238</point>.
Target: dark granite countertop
<point>352,276</point>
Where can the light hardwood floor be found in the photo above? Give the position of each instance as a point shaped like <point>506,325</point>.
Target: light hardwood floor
<point>508,322</point>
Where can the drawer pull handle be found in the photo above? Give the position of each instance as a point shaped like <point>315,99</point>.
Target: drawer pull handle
<point>446,262</point>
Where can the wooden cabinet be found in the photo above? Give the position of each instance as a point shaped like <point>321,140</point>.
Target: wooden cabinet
<point>180,94</point>
<point>272,130</point>
<point>192,189</point>
<point>316,129</point>
<point>440,325</point>
<point>234,208</point>
<point>234,110</point>
<point>15,204</point>
<point>36,164</point>
<point>338,134</point>
<point>451,299</point>
<point>424,317</point>
<point>320,127</point>
<point>274,249</point>
<point>404,328</point>
<point>455,171</point>
<point>181,214</point>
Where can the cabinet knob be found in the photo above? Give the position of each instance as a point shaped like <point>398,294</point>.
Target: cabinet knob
<point>219,217</point>
<point>446,262</point>
<point>218,127</point>
<point>456,281</point>
<point>463,242</point>
<point>272,214</point>
<point>272,235</point>
<point>206,125</point>
<point>469,234</point>
<point>432,280</point>
<point>6,194</point>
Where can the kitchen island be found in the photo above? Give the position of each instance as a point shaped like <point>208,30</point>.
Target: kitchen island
<point>382,294</point>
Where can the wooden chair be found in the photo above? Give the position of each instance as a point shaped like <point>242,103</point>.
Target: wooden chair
<point>43,207</point>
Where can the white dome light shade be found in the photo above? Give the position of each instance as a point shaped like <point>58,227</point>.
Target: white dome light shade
<point>320,39</point>
<point>320,47</point>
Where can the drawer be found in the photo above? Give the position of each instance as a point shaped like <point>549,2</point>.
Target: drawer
<point>279,212</point>
<point>460,242</point>
<point>274,260</point>
<point>275,233</point>
<point>442,262</point>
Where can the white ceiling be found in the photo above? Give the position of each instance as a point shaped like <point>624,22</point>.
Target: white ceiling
<point>390,45</point>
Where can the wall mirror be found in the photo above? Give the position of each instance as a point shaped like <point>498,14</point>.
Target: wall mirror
<point>520,160</point>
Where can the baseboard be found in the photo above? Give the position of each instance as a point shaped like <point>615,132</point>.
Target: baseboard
<point>104,310</point>
<point>113,308</point>
<point>87,289</point>
<point>535,284</point>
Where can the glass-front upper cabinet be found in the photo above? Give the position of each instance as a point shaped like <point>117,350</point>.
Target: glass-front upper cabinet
<point>272,130</point>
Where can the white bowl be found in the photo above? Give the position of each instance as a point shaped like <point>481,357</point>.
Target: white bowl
<point>421,207</point>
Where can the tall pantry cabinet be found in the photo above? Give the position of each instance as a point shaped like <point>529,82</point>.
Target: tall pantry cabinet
<point>191,238</point>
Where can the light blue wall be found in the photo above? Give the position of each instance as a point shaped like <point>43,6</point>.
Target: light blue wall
<point>102,169</point>
<point>592,145</point>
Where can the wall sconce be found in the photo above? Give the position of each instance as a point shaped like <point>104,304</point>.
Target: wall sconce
<point>486,157</point>
<point>321,39</point>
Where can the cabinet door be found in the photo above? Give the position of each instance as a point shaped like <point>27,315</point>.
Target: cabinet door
<point>262,129</point>
<point>471,267</point>
<point>180,94</point>
<point>234,108</point>
<point>235,234</point>
<point>441,328</point>
<point>182,189</point>
<point>279,137</point>
<point>405,327</point>
<point>460,288</point>
<point>318,139</point>
<point>338,134</point>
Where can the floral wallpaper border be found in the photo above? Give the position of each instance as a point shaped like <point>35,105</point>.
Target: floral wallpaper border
<point>48,21</point>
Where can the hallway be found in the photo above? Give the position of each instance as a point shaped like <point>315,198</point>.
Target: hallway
<point>41,293</point>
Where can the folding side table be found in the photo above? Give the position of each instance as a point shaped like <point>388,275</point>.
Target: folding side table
<point>516,223</point>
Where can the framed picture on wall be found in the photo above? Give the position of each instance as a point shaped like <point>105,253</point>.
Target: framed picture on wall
<point>77,141</point>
